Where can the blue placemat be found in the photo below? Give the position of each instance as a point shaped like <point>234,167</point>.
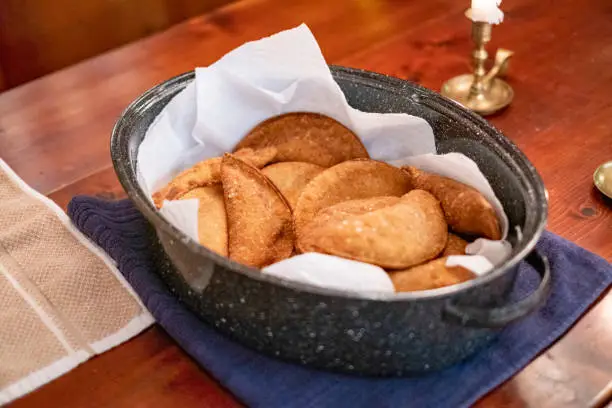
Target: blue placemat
<point>579,277</point>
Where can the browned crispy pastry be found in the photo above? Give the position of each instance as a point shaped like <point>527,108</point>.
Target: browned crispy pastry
<point>291,177</point>
<point>394,236</point>
<point>212,219</point>
<point>454,246</point>
<point>466,209</point>
<point>358,207</point>
<point>306,137</point>
<point>351,180</point>
<point>431,275</point>
<point>259,219</point>
<point>207,173</point>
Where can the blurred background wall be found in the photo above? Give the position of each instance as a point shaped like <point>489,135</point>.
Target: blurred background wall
<point>41,36</point>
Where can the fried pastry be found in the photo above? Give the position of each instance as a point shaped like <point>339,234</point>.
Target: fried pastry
<point>455,245</point>
<point>212,219</point>
<point>430,275</point>
<point>362,206</point>
<point>306,137</point>
<point>291,177</point>
<point>467,211</point>
<point>351,180</point>
<point>393,236</point>
<point>259,219</point>
<point>208,172</point>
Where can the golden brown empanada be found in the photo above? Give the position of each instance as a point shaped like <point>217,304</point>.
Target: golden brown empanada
<point>455,245</point>
<point>207,173</point>
<point>259,218</point>
<point>351,180</point>
<point>306,137</point>
<point>291,177</point>
<point>212,219</point>
<point>431,275</point>
<point>466,209</point>
<point>393,236</point>
<point>361,206</point>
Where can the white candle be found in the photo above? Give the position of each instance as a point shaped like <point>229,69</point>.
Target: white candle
<point>487,11</point>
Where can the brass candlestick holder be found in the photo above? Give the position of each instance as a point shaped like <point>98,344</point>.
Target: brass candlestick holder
<point>482,92</point>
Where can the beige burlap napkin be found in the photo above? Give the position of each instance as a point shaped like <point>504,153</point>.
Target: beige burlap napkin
<point>62,300</point>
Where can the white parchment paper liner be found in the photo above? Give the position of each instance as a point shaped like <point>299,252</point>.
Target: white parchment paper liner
<point>284,73</point>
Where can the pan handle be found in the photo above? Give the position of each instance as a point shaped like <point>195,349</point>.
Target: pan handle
<point>500,316</point>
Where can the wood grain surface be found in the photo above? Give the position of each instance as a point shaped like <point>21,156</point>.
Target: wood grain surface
<point>55,133</point>
<point>40,36</point>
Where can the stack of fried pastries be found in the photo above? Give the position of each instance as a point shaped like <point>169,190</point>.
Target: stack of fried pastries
<point>303,182</point>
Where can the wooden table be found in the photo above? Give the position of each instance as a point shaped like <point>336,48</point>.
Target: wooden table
<point>55,133</point>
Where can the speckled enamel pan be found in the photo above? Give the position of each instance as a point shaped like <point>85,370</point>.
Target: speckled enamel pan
<point>407,333</point>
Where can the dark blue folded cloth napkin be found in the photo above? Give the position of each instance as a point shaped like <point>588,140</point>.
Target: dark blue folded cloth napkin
<point>579,277</point>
